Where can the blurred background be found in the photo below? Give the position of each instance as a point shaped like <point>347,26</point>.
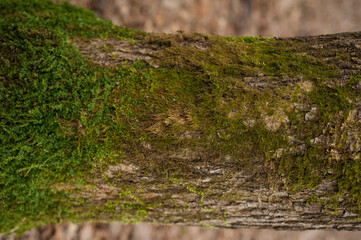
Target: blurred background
<point>283,18</point>
<point>117,231</point>
<point>269,18</point>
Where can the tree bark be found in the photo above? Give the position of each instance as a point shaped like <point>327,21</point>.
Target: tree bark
<point>176,128</point>
<point>213,184</point>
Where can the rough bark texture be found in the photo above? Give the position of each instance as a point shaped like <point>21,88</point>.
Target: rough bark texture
<point>204,184</point>
<point>104,123</point>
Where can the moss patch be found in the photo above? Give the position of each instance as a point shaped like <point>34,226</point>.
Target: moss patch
<point>46,92</point>
<point>203,100</point>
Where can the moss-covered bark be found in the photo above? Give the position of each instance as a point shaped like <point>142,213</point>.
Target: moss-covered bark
<point>104,123</point>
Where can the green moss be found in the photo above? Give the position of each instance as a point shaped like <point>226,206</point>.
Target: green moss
<point>61,18</point>
<point>47,94</point>
<point>61,116</point>
<point>132,208</point>
<point>197,89</point>
<point>219,72</point>
<point>189,188</point>
<point>248,39</point>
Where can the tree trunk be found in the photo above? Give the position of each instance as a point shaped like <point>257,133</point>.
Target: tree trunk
<point>199,172</point>
<point>189,128</point>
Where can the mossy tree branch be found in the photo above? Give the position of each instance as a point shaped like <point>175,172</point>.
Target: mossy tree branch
<point>105,123</point>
